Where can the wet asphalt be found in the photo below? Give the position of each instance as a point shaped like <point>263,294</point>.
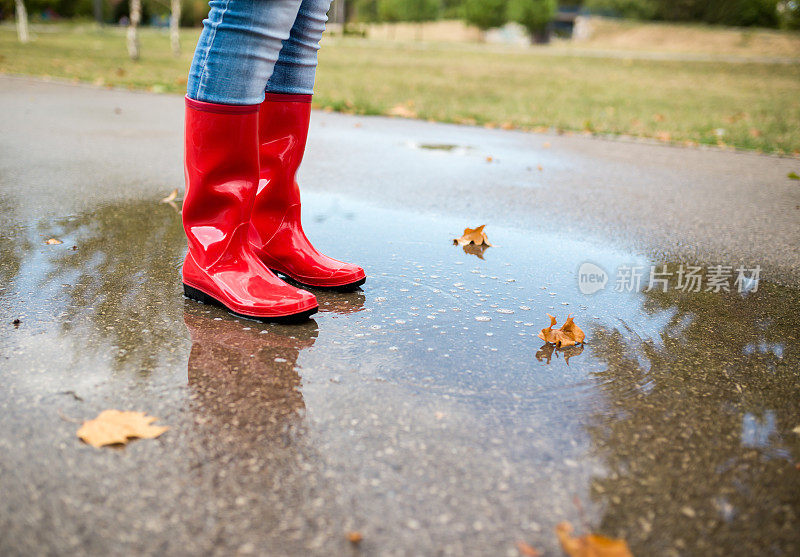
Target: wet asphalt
<point>421,411</point>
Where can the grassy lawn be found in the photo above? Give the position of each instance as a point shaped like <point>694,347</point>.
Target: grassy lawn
<point>745,105</point>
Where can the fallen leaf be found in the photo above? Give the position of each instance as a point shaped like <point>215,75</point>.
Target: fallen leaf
<point>590,545</point>
<point>664,136</point>
<point>755,132</point>
<point>402,110</point>
<point>795,430</point>
<point>568,335</point>
<point>16,322</point>
<point>507,125</point>
<point>489,159</point>
<point>54,241</point>
<point>527,550</point>
<point>793,176</point>
<point>658,117</point>
<point>112,427</point>
<point>354,537</point>
<point>473,236</point>
<point>539,167</point>
<point>546,145</point>
<point>171,197</point>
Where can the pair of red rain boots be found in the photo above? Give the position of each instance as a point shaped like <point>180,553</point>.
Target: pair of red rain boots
<point>241,212</point>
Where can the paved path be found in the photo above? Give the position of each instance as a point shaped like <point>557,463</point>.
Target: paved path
<point>667,202</point>
<point>422,411</point>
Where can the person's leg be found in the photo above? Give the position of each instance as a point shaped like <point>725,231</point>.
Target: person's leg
<point>296,66</point>
<point>238,49</point>
<point>276,232</point>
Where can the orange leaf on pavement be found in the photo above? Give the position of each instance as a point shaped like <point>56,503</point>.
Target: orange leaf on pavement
<point>113,427</point>
<point>590,545</point>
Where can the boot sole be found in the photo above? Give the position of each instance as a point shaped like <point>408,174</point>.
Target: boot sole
<point>203,298</point>
<point>349,287</point>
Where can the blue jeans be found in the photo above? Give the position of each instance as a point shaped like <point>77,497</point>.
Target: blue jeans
<point>249,46</point>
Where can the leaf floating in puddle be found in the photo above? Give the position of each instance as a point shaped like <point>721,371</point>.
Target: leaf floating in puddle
<point>590,545</point>
<point>171,197</point>
<point>473,236</point>
<point>114,427</point>
<point>568,335</point>
<point>170,200</point>
<point>53,242</point>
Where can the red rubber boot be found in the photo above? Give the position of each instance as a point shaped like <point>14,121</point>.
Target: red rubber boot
<point>221,164</point>
<point>276,233</point>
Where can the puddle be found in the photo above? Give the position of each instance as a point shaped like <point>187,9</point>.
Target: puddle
<point>443,147</point>
<point>422,411</point>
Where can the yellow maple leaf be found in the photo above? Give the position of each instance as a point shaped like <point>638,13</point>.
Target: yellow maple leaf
<point>473,236</point>
<point>112,427</point>
<point>590,545</point>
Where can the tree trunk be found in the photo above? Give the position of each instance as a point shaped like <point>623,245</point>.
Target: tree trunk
<point>133,28</point>
<point>175,26</point>
<point>97,10</point>
<point>22,21</point>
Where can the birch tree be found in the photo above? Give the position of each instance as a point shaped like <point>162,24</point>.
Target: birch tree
<point>22,21</point>
<point>133,28</point>
<point>174,27</point>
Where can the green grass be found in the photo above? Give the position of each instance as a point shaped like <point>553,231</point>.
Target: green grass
<point>747,105</point>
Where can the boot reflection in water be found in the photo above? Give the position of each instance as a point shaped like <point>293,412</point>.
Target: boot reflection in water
<point>248,104</point>
<point>244,376</point>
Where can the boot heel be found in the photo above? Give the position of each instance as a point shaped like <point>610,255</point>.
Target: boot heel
<point>199,296</point>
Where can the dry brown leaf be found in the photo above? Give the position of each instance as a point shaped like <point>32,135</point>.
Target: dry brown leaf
<point>53,242</point>
<point>590,545</point>
<point>527,550</point>
<point>473,236</point>
<point>354,537</point>
<point>112,427</point>
<point>568,335</point>
<point>402,110</point>
<point>171,197</point>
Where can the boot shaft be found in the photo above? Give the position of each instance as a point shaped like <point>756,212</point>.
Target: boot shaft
<point>283,130</point>
<point>221,168</point>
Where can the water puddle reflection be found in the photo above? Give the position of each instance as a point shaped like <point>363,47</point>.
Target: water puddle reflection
<point>425,400</point>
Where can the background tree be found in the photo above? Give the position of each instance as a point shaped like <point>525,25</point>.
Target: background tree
<point>534,15</point>
<point>390,10</point>
<point>634,9</point>
<point>174,26</point>
<point>22,21</point>
<point>485,14</point>
<point>133,28</point>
